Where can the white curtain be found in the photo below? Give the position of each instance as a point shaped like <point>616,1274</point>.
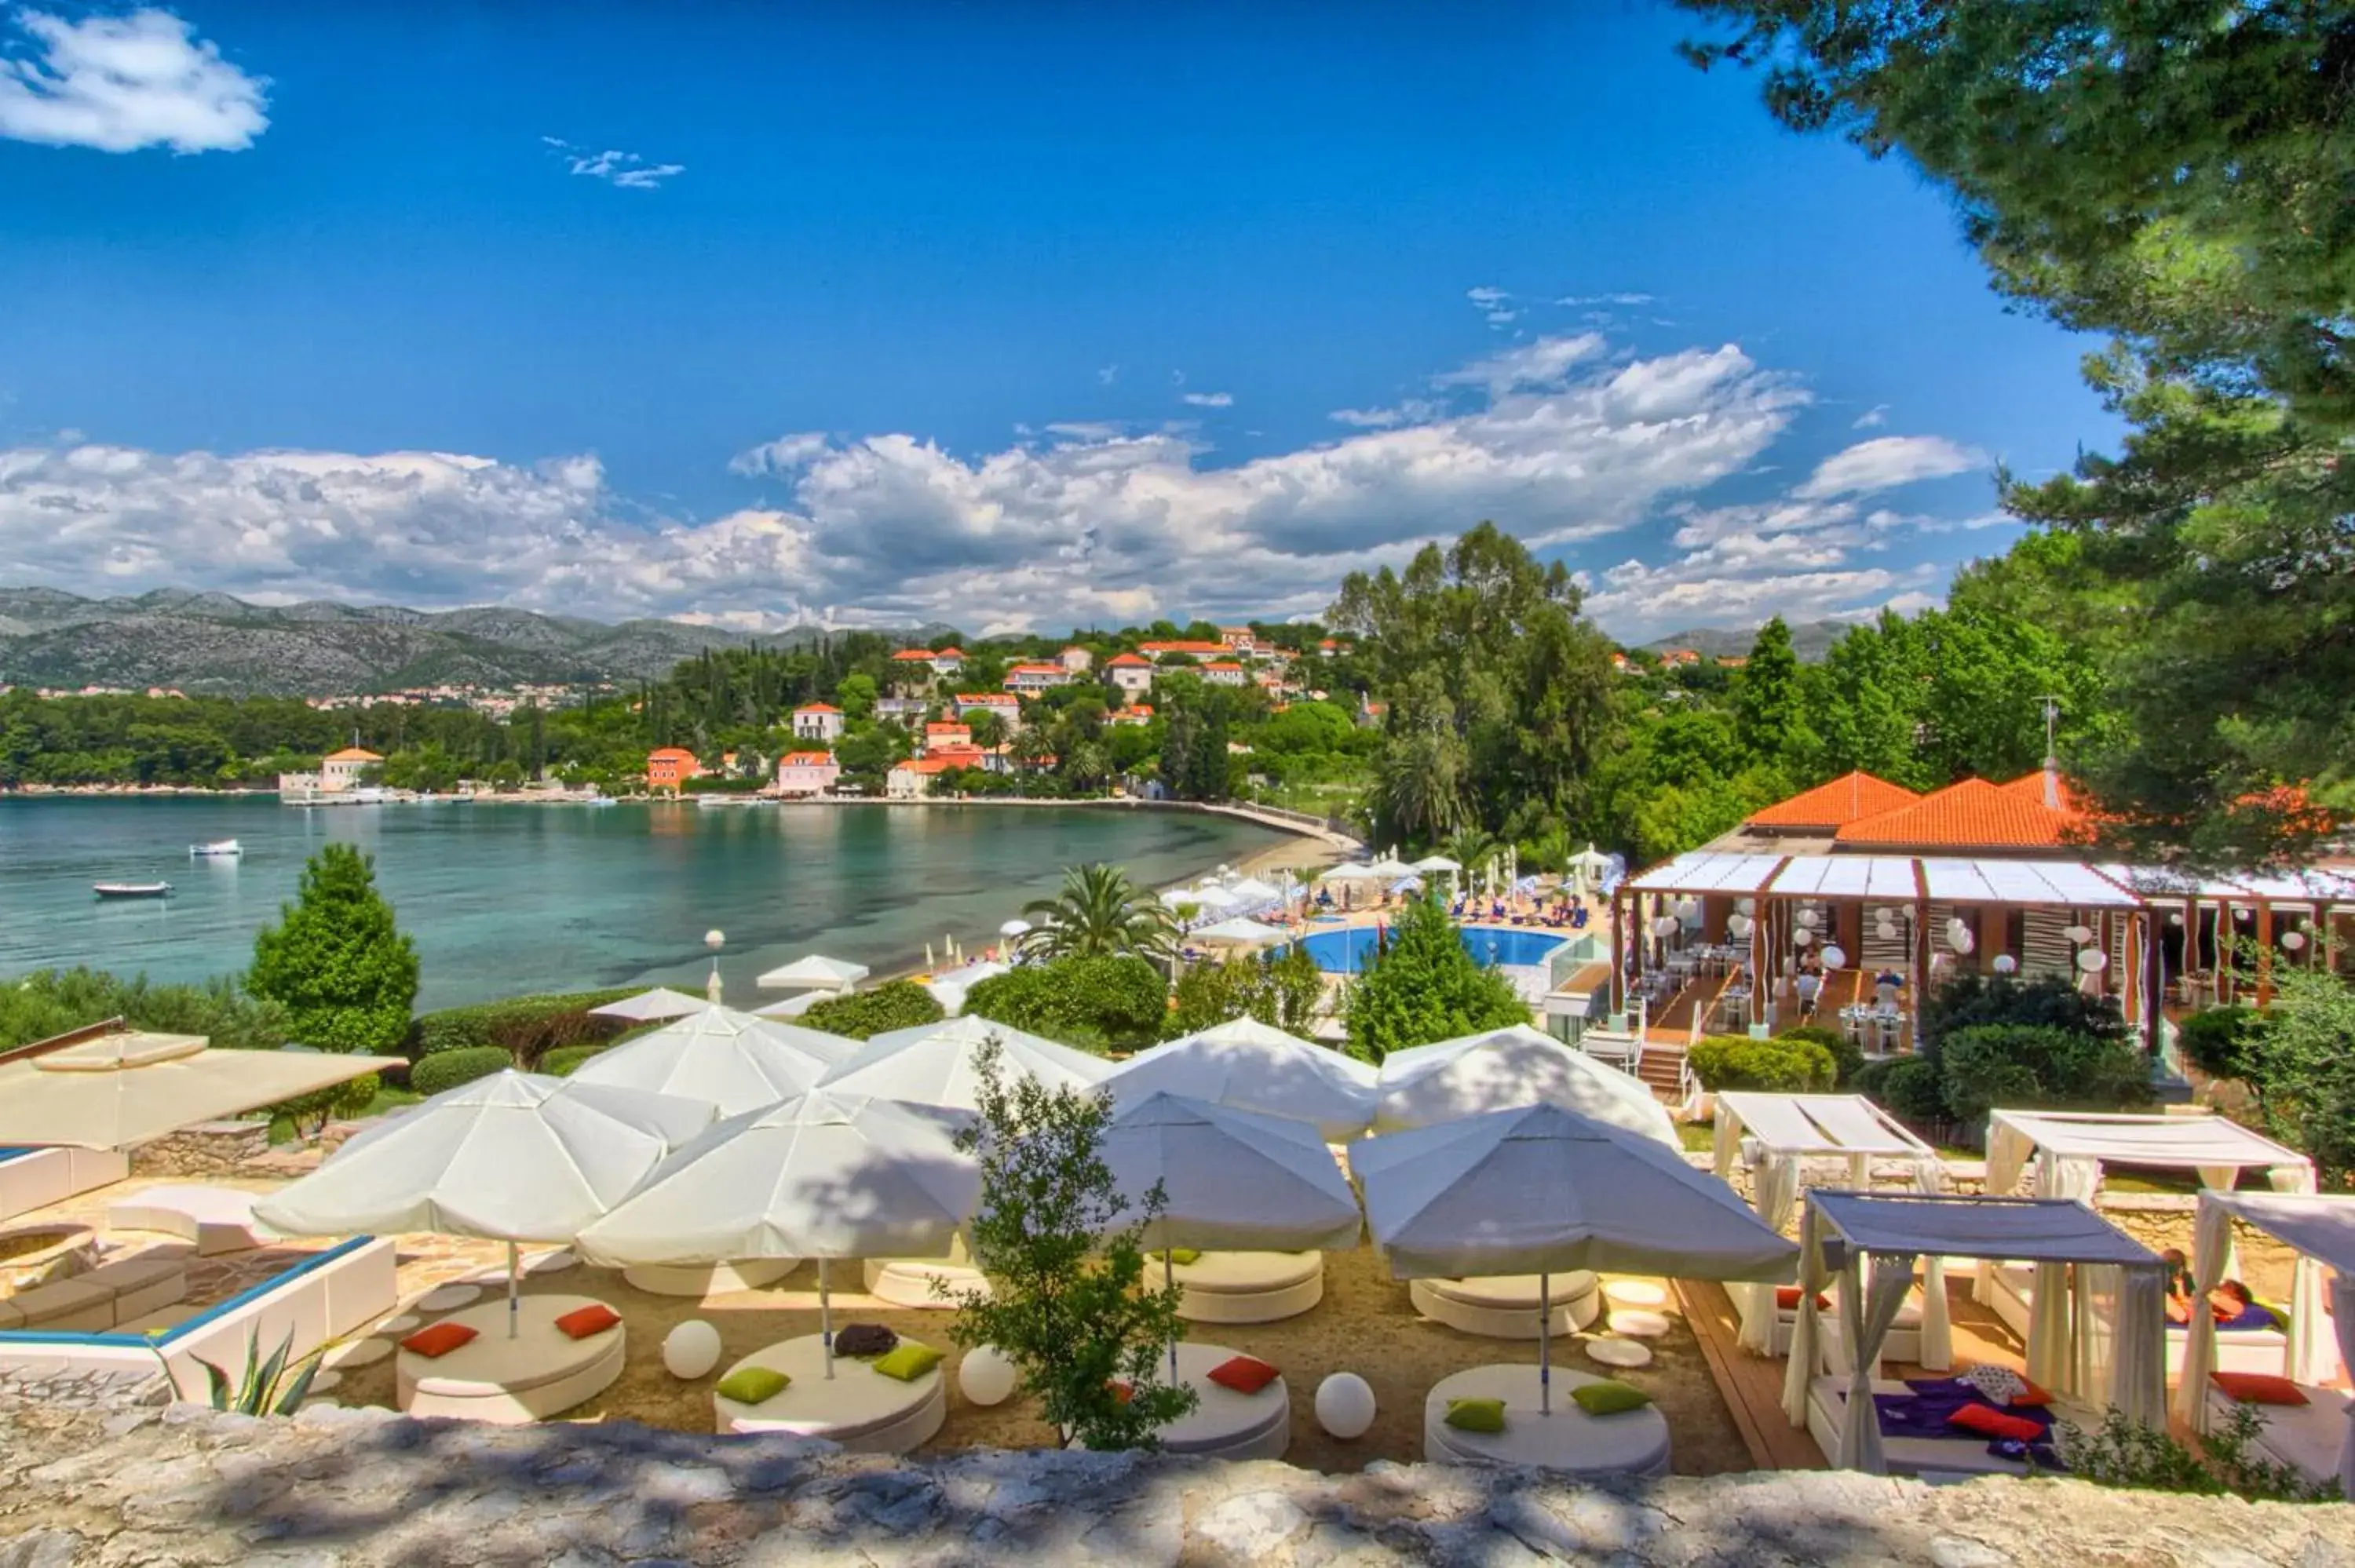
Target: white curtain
<point>2077,1176</point>
<point>2093,1304</point>
<point>1726,1144</point>
<point>2222,1177</point>
<point>2007,1153</point>
<point>2342,1303</point>
<point>1937,1325</point>
<point>1893,1276</point>
<point>2138,1354</point>
<point>1806,1334</point>
<point>1774,1184</point>
<point>2048,1328</point>
<point>2314,1355</point>
<point>2211,1244</point>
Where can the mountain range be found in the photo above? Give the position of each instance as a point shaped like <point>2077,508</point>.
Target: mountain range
<point>212,643</point>
<point>1810,639</point>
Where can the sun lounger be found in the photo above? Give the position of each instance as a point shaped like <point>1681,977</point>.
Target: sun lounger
<point>103,1298</point>
<point>1934,1459</point>
<point>2305,1436</point>
<point>858,1407</point>
<point>1505,1307</point>
<point>1249,1287</point>
<point>540,1373</point>
<point>1630,1443</point>
<point>217,1219</point>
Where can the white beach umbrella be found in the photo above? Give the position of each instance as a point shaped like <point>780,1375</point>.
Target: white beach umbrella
<point>1517,1065</point>
<point>1544,1190</point>
<point>1432,862</point>
<point>1015,928</point>
<point>1390,868</point>
<point>1349,874</point>
<point>1248,1066</point>
<point>119,1089</point>
<point>514,1156</point>
<point>1251,890</point>
<point>793,1007</point>
<point>733,1060</point>
<point>650,1005</point>
<point>934,1064</point>
<point>815,972</point>
<point>1240,930</point>
<point>1209,895</point>
<point>949,988</point>
<point>820,1175</point>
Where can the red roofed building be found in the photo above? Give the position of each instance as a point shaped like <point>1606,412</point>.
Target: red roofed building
<point>807,772</point>
<point>1223,672</point>
<point>2034,812</point>
<point>1138,714</point>
<point>671,767</point>
<point>1131,673</point>
<point>913,781</point>
<point>1156,652</point>
<point>942,736</point>
<point>1036,677</point>
<point>1829,807</point>
<point>1076,659</point>
<point>914,656</point>
<point>818,721</point>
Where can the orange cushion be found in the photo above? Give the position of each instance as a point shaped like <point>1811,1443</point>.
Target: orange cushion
<point>1787,1300</point>
<point>1244,1374</point>
<point>438,1340</point>
<point>2260,1388</point>
<point>1989,1422</point>
<point>583,1321</point>
<point>1121,1392</point>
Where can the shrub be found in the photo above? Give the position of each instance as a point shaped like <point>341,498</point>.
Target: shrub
<point>1282,993</point>
<point>1091,1003</point>
<point>1848,1056</point>
<point>448,1069</point>
<point>52,1002</point>
<point>897,1005</point>
<point>1782,1065</point>
<point>1971,1000</point>
<point>308,1113</point>
<point>526,1027</point>
<point>560,1062</point>
<point>1422,987</point>
<point>2026,1065</point>
<point>2222,1042</point>
<point>2127,1454</point>
<point>1910,1086</point>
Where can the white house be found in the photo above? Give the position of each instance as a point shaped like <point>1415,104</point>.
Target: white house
<point>912,781</point>
<point>1132,673</point>
<point>818,721</point>
<point>1005,704</point>
<point>900,710</point>
<point>341,770</point>
<point>1036,677</point>
<point>807,772</point>
<point>1223,673</point>
<point>1076,659</point>
<point>948,662</point>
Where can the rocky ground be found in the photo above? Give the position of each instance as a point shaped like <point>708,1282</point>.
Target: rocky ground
<point>182,1484</point>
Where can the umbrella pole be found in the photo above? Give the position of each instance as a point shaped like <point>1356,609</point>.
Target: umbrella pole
<point>826,1318</point>
<point>1545,1344</point>
<point>1169,1282</point>
<point>515,1306</point>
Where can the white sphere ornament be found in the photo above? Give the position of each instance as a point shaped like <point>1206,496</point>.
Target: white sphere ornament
<point>986,1376</point>
<point>1745,906</point>
<point>2092,960</point>
<point>691,1349</point>
<point>1738,927</point>
<point>2006,964</point>
<point>2293,940</point>
<point>2079,933</point>
<point>1345,1405</point>
<point>1962,941</point>
<point>715,938</point>
<point>1802,937</point>
<point>1835,958</point>
<point>1807,918</point>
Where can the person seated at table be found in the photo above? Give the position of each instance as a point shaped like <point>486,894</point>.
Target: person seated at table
<point>1809,985</point>
<point>2234,1309</point>
<point>1811,963</point>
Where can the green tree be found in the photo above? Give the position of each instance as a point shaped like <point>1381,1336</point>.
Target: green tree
<point>344,973</point>
<point>1067,1303</point>
<point>1422,987</point>
<point>1099,914</point>
<point>1094,1004</point>
<point>2304,1072</point>
<point>1282,993</point>
<point>1770,708</point>
<point>895,1004</point>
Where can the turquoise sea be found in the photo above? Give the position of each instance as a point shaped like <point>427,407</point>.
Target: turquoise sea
<point>506,899</point>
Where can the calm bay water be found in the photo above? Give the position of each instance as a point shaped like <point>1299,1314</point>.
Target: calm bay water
<point>506,899</point>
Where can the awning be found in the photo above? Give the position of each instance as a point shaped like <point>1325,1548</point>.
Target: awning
<point>2185,1142</point>
<point>1708,871</point>
<point>1817,1124</point>
<point>123,1089</point>
<point>2027,1230</point>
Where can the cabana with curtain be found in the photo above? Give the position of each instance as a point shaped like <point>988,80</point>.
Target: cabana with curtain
<point>2067,1151</point>
<point>2105,1353</point>
<point>2316,1437</point>
<point>1786,1141</point>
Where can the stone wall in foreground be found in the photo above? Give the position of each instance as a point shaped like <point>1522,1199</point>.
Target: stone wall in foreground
<point>365,1487</point>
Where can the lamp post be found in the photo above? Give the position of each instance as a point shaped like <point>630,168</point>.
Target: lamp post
<point>714,940</point>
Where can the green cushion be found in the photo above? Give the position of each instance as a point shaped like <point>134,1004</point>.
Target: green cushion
<point>1180,1256</point>
<point>2280,1312</point>
<point>1609,1397</point>
<point>908,1362</point>
<point>752,1385</point>
<point>1475,1414</point>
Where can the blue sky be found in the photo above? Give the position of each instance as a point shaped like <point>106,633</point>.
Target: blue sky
<point>1011,316</point>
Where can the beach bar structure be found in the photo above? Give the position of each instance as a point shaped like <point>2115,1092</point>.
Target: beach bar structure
<point>1906,891</point>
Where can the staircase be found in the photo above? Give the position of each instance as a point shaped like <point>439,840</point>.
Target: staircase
<point>1663,1070</point>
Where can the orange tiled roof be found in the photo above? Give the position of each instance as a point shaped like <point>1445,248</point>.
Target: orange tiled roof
<point>1973,814</point>
<point>1128,661</point>
<point>354,754</point>
<point>911,655</point>
<point>1845,800</point>
<point>817,709</point>
<point>805,759</point>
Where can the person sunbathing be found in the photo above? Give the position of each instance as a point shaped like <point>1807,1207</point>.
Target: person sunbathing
<point>2234,1309</point>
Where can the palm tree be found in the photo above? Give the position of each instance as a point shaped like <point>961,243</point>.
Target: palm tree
<point>1099,914</point>
<point>1417,786</point>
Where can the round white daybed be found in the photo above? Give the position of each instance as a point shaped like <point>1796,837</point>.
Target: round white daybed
<point>1251,1286</point>
<point>704,1279</point>
<point>539,1373</point>
<point>1630,1443</point>
<point>1226,1424</point>
<point>908,1281</point>
<point>858,1407</point>
<point>1505,1306</point>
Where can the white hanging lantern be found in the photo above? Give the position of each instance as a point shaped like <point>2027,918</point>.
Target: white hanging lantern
<point>2079,933</point>
<point>1885,929</point>
<point>2005,964</point>
<point>1959,937</point>
<point>1687,906</point>
<point>2092,960</point>
<point>2175,919</point>
<point>1745,905</point>
<point>1807,918</point>
<point>2293,940</point>
<point>1835,958</point>
<point>2243,915</point>
<point>1739,927</point>
<point>1802,937</point>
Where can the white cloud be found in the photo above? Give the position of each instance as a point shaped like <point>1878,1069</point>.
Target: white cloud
<point>783,455</point>
<point>627,170</point>
<point>1208,399</point>
<point>1108,374</point>
<point>1545,363</point>
<point>1487,297</point>
<point>121,83</point>
<point>1886,461</point>
<point>1622,300</point>
<point>1872,419</point>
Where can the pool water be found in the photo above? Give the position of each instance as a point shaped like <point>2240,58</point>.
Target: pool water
<point>1346,952</point>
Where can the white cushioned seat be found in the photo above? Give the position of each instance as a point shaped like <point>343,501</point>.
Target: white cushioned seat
<point>700,1280</point>
<point>908,1281</point>
<point>541,1372</point>
<point>858,1407</point>
<point>1505,1306</point>
<point>1226,1424</point>
<point>1629,1443</point>
<point>1249,1287</point>
<point>217,1219</point>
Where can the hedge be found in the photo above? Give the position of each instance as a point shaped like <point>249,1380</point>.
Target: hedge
<point>897,1004</point>
<point>448,1069</point>
<point>1782,1065</point>
<point>524,1027</point>
<point>1848,1056</point>
<point>1091,1003</point>
<point>560,1062</point>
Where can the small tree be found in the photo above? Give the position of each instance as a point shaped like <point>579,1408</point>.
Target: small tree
<point>1424,987</point>
<point>1068,1301</point>
<point>344,971</point>
<point>1282,993</point>
<point>2303,1073</point>
<point>895,1004</point>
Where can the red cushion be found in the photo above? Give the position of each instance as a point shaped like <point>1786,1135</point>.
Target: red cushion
<point>1121,1392</point>
<point>1244,1374</point>
<point>438,1340</point>
<point>2260,1388</point>
<point>1787,1300</point>
<point>583,1321</point>
<point>2031,1395</point>
<point>1989,1422</point>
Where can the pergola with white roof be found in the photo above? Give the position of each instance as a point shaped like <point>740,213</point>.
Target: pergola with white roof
<point>2285,917</point>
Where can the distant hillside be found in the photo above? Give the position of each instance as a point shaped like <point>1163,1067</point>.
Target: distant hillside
<point>212,643</point>
<point>1811,639</point>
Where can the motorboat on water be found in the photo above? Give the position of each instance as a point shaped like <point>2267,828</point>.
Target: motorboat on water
<point>133,889</point>
<point>216,849</point>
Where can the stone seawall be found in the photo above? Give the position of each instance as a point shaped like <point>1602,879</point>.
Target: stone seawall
<point>365,1487</point>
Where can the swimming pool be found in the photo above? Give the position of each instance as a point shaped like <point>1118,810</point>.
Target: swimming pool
<point>1345,952</point>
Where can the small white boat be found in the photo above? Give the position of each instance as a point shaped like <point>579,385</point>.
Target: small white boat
<point>133,889</point>
<point>218,847</point>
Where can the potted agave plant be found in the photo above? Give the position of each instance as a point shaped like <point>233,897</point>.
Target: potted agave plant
<point>271,1386</point>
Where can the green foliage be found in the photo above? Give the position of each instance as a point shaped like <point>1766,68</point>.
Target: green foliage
<point>1911,1087</point>
<point>344,971</point>
<point>1782,1066</point>
<point>1067,1303</point>
<point>1770,709</point>
<point>2019,1065</point>
<point>2221,1042</point>
<point>1099,914</point>
<point>1094,1004</point>
<point>897,1005</point>
<point>448,1069</point>
<point>270,1386</point>
<point>1848,1056</point>
<point>2303,1071</point>
<point>48,1002</point>
<point>1970,1000</point>
<point>308,1113</point>
<point>2231,1461</point>
<point>1280,991</point>
<point>526,1027</point>
<point>1424,987</point>
<point>560,1062</point>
